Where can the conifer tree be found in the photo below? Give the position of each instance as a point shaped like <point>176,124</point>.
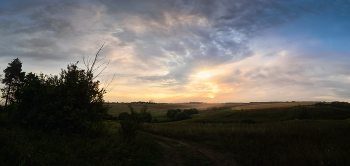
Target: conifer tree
<point>13,80</point>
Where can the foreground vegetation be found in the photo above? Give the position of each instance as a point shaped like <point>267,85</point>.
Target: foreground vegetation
<point>21,146</point>
<point>61,120</point>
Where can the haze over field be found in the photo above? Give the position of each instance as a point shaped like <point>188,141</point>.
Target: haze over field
<point>189,50</point>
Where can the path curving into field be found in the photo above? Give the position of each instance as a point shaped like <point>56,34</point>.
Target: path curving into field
<point>171,156</point>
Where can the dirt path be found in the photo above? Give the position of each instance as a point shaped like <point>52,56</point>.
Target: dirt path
<point>169,154</point>
<point>209,157</point>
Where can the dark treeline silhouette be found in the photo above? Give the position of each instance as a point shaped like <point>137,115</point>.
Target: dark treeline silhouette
<point>71,102</point>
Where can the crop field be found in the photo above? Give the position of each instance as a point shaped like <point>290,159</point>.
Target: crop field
<point>159,110</point>
<point>270,105</point>
<point>268,135</point>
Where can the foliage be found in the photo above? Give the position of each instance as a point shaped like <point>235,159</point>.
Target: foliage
<point>72,102</point>
<point>111,117</point>
<point>182,116</point>
<point>144,117</point>
<point>176,114</point>
<point>130,123</point>
<point>172,112</point>
<point>337,104</point>
<point>320,104</point>
<point>14,78</point>
<point>191,111</point>
<point>155,120</point>
<point>302,112</point>
<point>33,147</point>
<point>123,116</point>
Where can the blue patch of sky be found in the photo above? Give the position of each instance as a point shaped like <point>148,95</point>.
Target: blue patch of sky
<point>329,31</point>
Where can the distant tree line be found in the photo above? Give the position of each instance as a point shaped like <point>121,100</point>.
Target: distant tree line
<point>335,104</point>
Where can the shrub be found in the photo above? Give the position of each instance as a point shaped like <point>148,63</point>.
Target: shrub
<point>302,112</point>
<point>111,117</point>
<point>144,117</point>
<point>128,130</point>
<point>171,113</point>
<point>130,123</point>
<point>71,102</point>
<point>337,104</point>
<point>123,116</point>
<point>182,116</point>
<point>155,120</point>
<point>191,111</point>
<point>320,104</point>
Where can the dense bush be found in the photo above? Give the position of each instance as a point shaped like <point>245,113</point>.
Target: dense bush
<point>171,113</point>
<point>337,104</point>
<point>130,123</point>
<point>182,116</point>
<point>155,120</point>
<point>320,104</point>
<point>176,114</point>
<point>191,111</point>
<point>71,102</point>
<point>123,116</point>
<point>144,117</point>
<point>302,112</point>
<point>111,117</point>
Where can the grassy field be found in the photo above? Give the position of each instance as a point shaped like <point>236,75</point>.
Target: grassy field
<point>158,111</point>
<point>271,136</point>
<point>269,105</point>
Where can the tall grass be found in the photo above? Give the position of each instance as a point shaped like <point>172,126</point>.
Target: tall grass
<point>292,142</point>
<point>31,147</point>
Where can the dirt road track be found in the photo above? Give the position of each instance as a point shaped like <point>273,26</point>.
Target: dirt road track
<point>214,158</point>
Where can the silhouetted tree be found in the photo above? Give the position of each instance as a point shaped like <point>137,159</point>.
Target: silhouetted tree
<point>95,65</point>
<point>13,80</point>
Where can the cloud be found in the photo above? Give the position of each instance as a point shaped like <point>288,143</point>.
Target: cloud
<point>164,44</point>
<point>283,53</point>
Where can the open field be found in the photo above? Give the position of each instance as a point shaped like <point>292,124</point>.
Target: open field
<point>285,143</point>
<point>270,105</point>
<point>121,107</point>
<point>271,136</point>
<point>117,108</point>
<point>158,111</point>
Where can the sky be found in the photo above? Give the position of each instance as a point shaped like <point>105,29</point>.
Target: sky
<point>211,51</point>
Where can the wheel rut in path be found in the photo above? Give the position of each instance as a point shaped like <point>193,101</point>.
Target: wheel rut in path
<point>171,155</point>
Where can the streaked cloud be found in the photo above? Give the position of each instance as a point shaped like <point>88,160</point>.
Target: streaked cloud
<point>207,50</point>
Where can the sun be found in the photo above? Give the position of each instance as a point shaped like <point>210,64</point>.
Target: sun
<point>212,97</point>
